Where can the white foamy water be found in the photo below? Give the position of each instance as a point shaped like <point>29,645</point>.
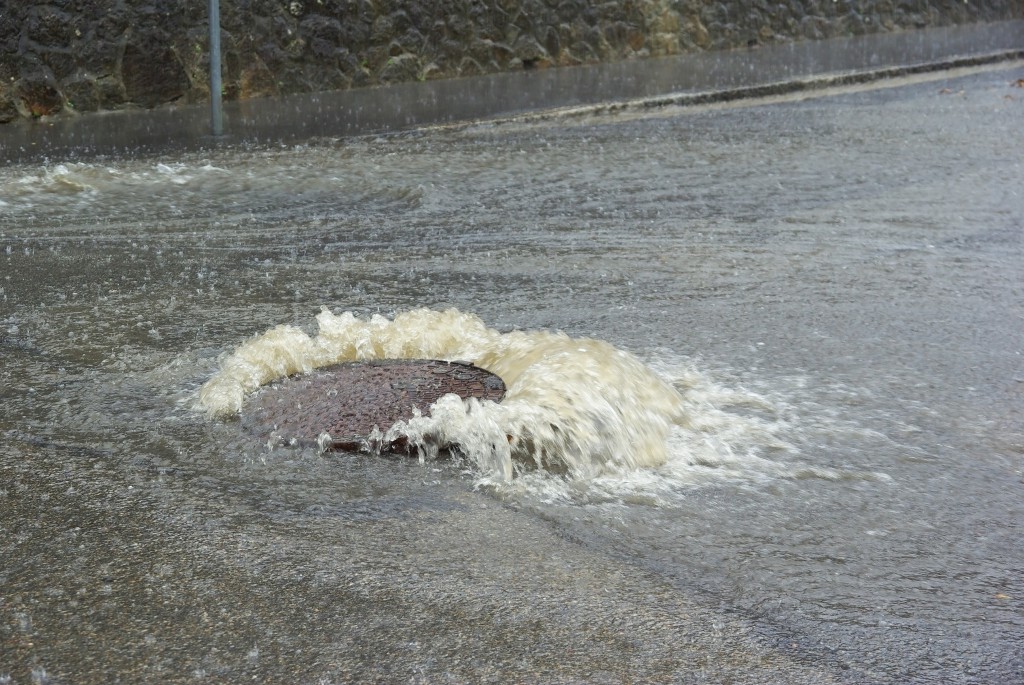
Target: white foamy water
<point>576,408</point>
<point>65,186</point>
<point>53,192</point>
<point>198,186</point>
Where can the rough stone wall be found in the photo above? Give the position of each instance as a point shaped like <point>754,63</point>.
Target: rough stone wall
<point>62,56</point>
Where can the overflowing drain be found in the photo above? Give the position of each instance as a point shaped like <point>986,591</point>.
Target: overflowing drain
<point>355,403</point>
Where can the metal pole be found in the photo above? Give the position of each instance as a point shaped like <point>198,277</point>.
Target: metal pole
<point>216,109</point>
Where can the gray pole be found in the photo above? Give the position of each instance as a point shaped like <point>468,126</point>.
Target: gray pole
<point>216,110</point>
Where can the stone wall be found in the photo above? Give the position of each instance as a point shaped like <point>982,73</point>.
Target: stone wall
<point>62,56</point>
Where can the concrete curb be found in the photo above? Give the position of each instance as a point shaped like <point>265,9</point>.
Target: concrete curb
<point>779,88</point>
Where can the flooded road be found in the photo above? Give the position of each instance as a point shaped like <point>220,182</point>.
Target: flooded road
<point>827,294</point>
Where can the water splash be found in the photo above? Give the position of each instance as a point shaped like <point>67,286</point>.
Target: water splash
<point>196,185</point>
<point>573,405</point>
<point>581,419</point>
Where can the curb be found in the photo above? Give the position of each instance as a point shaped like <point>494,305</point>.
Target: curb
<point>683,80</point>
<point>774,89</point>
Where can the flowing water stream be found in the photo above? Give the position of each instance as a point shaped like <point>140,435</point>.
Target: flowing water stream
<point>763,423</point>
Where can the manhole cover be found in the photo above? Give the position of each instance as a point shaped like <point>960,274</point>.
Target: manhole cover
<point>348,401</point>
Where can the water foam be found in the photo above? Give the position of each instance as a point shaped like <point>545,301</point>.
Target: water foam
<point>579,415</point>
<point>71,184</point>
<point>573,405</point>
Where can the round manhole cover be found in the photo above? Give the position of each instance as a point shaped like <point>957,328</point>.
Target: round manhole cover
<point>349,401</point>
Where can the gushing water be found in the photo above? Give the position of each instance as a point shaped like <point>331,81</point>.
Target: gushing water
<point>575,407</point>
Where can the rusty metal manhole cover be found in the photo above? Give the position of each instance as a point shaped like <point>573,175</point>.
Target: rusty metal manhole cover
<point>348,401</point>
